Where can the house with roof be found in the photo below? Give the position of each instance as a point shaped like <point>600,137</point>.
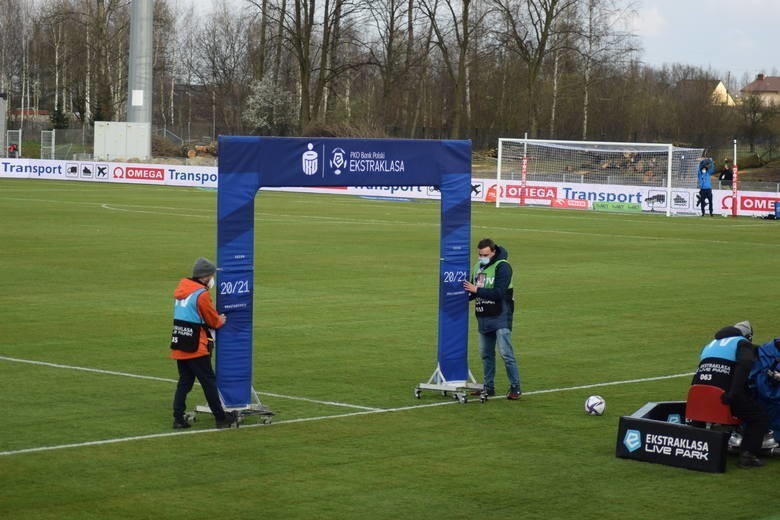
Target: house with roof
<point>30,114</point>
<point>767,88</point>
<point>713,89</point>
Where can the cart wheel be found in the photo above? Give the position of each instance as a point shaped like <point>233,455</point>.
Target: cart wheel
<point>463,399</point>
<point>267,419</point>
<point>190,417</point>
<point>444,393</point>
<point>417,393</point>
<point>483,398</point>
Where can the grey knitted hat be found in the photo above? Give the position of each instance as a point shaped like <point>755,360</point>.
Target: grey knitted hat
<point>745,328</point>
<point>203,267</point>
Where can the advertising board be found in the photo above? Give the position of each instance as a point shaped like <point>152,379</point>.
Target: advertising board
<point>601,197</point>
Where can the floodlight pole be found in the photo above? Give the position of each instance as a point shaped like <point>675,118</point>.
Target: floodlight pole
<point>139,74</point>
<point>3,103</point>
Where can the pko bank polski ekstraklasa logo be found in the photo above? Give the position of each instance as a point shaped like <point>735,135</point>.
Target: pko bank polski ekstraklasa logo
<point>342,161</point>
<point>669,445</point>
<point>338,161</point>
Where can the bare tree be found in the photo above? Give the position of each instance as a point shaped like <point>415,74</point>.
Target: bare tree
<point>398,57</point>
<point>11,37</point>
<point>259,45</point>
<point>164,57</point>
<point>220,63</point>
<point>528,29</point>
<point>757,118</point>
<point>108,24</point>
<point>603,40</point>
<point>427,68</point>
<point>415,98</point>
<point>314,33</point>
<point>452,24</point>
<point>280,33</point>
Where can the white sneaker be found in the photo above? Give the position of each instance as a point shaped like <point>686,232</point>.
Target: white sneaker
<point>769,441</point>
<point>735,441</point>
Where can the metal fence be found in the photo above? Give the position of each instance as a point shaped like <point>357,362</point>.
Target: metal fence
<point>755,186</point>
<point>14,141</point>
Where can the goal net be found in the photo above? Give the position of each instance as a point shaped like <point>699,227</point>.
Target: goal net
<point>526,166</point>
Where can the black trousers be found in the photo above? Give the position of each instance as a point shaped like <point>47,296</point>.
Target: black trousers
<point>755,421</point>
<point>189,370</point>
<point>705,196</point>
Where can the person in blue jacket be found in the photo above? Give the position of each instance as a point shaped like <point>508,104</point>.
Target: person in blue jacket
<point>491,287</point>
<point>706,169</point>
<point>765,379</point>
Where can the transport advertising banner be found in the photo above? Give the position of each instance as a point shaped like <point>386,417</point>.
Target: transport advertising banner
<point>97,171</point>
<point>553,194</point>
<point>650,199</point>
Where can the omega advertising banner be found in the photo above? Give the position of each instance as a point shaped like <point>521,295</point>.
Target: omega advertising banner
<point>599,197</point>
<point>247,164</point>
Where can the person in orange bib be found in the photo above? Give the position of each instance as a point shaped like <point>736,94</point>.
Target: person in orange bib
<point>192,341</point>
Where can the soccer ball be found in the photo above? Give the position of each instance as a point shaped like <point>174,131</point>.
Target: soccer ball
<point>595,405</point>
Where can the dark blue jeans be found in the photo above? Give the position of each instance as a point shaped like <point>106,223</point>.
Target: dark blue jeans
<point>706,196</point>
<point>487,351</point>
<point>189,370</point>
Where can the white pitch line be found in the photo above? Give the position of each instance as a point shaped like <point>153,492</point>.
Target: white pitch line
<point>367,411</point>
<point>316,401</point>
<point>611,383</point>
<point>169,380</point>
<point>84,369</point>
<point>198,432</point>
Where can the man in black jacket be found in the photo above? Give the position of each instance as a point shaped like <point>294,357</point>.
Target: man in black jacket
<point>726,363</point>
<point>726,176</point>
<point>492,288</point>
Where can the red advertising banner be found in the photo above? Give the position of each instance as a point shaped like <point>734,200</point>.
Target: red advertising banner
<point>570,203</point>
<point>517,191</point>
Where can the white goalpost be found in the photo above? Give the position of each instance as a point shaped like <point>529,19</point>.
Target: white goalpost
<point>538,171</point>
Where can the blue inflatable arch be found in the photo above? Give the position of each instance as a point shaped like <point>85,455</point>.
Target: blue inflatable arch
<point>247,164</point>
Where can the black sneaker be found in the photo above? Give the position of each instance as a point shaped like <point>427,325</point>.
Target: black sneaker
<point>487,391</point>
<point>514,393</point>
<point>747,460</point>
<point>230,421</point>
<point>180,424</point>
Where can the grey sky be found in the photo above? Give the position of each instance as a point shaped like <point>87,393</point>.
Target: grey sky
<point>737,36</point>
<point>740,37</point>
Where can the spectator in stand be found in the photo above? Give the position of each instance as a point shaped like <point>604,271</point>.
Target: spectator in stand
<point>726,175</point>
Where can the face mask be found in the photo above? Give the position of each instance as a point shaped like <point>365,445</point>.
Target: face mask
<point>211,282</point>
<point>484,260</point>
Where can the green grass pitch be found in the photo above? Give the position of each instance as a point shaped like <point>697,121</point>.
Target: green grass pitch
<point>345,328</point>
